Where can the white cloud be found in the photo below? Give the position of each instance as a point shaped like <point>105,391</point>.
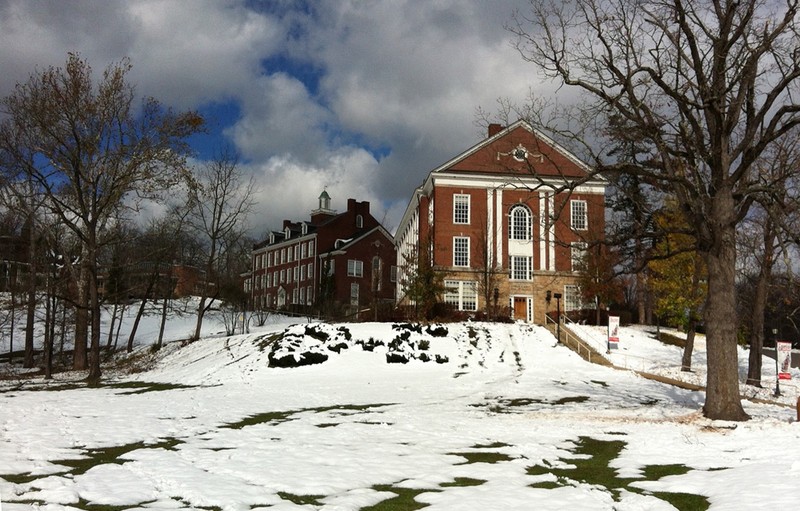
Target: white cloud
<point>280,118</point>
<point>290,188</point>
<point>314,83</point>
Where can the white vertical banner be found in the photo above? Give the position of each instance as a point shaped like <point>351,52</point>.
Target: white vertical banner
<point>783,350</point>
<point>613,332</point>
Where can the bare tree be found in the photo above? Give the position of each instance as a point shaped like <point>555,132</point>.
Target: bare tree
<point>86,148</point>
<point>488,269</point>
<point>220,199</point>
<point>710,85</point>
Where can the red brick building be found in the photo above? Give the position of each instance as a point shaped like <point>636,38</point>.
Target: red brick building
<point>507,220</point>
<point>343,261</point>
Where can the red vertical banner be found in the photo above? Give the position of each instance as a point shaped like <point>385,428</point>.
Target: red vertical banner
<point>783,352</point>
<point>613,332</point>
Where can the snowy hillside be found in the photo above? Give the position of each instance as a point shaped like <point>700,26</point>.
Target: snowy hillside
<point>511,420</point>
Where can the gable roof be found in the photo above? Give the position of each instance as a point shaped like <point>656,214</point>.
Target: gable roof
<point>354,241</point>
<point>519,150</point>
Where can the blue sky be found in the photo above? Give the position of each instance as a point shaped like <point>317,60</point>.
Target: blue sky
<point>360,98</point>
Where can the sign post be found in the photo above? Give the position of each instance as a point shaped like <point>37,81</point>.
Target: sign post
<point>783,361</point>
<point>613,333</point>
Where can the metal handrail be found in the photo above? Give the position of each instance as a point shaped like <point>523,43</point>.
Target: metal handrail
<point>574,342</point>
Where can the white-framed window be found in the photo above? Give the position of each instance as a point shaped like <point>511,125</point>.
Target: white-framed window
<point>283,255</point>
<point>578,255</point>
<point>310,271</point>
<point>578,215</point>
<point>269,260</point>
<point>302,273</point>
<point>461,251</point>
<point>572,298</point>
<point>330,266</point>
<point>354,292</point>
<point>521,267</point>
<point>461,294</point>
<point>310,248</point>
<point>359,221</point>
<point>303,248</point>
<point>460,208</point>
<point>393,274</point>
<point>519,225</point>
<point>297,252</point>
<point>355,268</point>
<point>294,295</point>
<point>283,276</point>
<point>309,296</point>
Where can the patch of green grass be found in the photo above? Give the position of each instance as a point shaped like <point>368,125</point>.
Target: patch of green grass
<point>40,387</point>
<point>493,445</point>
<point>140,386</point>
<point>275,418</point>
<point>683,501</point>
<point>463,482</point>
<point>572,399</point>
<point>404,501</point>
<point>272,418</point>
<point>592,465</point>
<point>482,457</point>
<point>656,472</point>
<point>86,506</point>
<point>506,405</point>
<point>107,455</point>
<point>144,387</point>
<point>20,478</point>
<point>301,500</point>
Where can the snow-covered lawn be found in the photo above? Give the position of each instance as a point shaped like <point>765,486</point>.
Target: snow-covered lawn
<point>511,421</point>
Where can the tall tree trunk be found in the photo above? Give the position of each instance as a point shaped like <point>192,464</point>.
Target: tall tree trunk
<point>688,347</point>
<point>691,327</point>
<point>722,388</point>
<point>641,282</point>
<point>119,326</point>
<point>12,288</point>
<point>49,318</point>
<point>142,306</point>
<point>94,302</point>
<point>164,305</point>
<point>201,311</point>
<point>31,312</point>
<point>759,306</point>
<point>112,325</point>
<point>79,356</point>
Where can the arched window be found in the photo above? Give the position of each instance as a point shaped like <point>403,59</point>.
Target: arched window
<point>359,221</point>
<point>519,225</point>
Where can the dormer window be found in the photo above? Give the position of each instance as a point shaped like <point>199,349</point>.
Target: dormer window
<point>271,238</point>
<point>287,233</point>
<point>359,221</point>
<point>304,228</point>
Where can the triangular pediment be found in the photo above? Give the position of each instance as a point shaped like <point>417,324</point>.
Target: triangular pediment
<point>517,150</point>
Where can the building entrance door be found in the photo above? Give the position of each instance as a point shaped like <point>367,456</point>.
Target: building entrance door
<point>521,308</point>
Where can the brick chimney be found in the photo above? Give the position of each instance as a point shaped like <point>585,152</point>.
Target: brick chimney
<point>494,129</point>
